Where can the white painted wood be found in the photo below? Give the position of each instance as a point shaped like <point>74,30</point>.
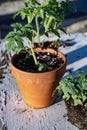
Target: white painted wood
<point>16,115</point>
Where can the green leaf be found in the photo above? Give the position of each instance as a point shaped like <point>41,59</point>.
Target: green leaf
<point>50,16</point>
<point>16,25</point>
<point>20,12</point>
<point>19,33</point>
<point>74,88</point>
<point>77,102</point>
<point>10,45</point>
<point>56,32</point>
<point>84,85</point>
<point>27,33</point>
<point>31,15</point>
<point>63,30</point>
<point>23,15</point>
<point>40,67</point>
<point>42,13</point>
<point>29,26</point>
<point>19,41</point>
<point>19,49</point>
<point>45,4</point>
<point>52,13</point>
<point>84,98</point>
<point>10,34</point>
<point>15,15</point>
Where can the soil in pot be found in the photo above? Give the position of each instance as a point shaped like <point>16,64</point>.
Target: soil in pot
<point>77,114</point>
<point>26,63</point>
<point>48,44</point>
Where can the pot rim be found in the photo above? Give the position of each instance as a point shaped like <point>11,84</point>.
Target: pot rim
<point>39,73</point>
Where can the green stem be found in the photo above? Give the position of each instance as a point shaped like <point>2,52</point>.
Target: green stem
<point>28,20</point>
<point>48,23</point>
<point>38,30</point>
<point>33,54</point>
<point>32,51</point>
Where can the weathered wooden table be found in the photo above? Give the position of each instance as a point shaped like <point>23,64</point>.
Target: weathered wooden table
<point>16,115</point>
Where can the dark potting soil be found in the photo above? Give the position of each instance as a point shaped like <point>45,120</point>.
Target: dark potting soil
<point>26,63</point>
<point>47,44</point>
<point>77,114</point>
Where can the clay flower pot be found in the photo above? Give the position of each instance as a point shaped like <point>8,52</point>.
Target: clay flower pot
<point>37,88</point>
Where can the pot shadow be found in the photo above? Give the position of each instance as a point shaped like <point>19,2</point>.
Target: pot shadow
<point>58,98</point>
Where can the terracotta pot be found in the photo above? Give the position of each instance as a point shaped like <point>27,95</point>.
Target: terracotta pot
<point>37,88</point>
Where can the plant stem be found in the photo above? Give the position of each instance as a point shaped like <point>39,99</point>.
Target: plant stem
<point>33,54</point>
<point>37,27</point>
<point>49,22</point>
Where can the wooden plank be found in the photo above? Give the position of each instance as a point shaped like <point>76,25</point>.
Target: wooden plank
<point>16,115</point>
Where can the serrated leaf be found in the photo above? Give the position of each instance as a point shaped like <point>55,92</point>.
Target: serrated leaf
<point>10,45</point>
<point>16,25</point>
<point>19,41</point>
<point>20,12</point>
<point>23,15</point>
<point>27,33</point>
<point>10,34</point>
<point>73,88</point>
<point>30,17</point>
<point>84,85</point>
